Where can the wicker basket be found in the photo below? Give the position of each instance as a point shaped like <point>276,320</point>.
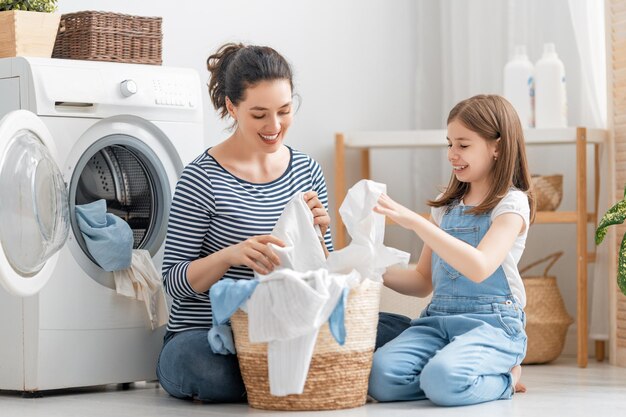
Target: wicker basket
<point>104,36</point>
<point>548,191</point>
<point>547,319</point>
<point>338,375</point>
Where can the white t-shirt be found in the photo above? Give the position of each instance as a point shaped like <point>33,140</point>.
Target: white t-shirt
<point>515,201</point>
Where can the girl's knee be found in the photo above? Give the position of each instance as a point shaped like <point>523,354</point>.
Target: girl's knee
<point>440,382</point>
<point>380,382</point>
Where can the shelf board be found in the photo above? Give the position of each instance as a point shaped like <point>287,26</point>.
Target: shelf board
<point>437,137</point>
<point>542,217</point>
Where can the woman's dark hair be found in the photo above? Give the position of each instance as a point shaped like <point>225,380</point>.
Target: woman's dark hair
<point>235,67</point>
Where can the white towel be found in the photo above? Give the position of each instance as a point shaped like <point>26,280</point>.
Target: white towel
<point>286,310</point>
<point>366,252</point>
<point>142,282</point>
<point>290,304</point>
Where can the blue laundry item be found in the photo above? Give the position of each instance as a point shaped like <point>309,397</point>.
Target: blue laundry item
<point>336,321</point>
<point>109,239</point>
<point>221,340</point>
<point>226,296</point>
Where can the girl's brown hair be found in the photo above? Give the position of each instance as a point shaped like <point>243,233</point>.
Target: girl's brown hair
<point>493,118</point>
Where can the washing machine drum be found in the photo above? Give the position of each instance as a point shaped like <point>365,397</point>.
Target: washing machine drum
<point>118,175</point>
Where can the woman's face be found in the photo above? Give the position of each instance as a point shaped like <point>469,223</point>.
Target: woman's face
<point>264,115</point>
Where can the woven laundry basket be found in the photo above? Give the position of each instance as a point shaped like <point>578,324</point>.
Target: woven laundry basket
<point>106,36</point>
<point>547,319</point>
<point>548,191</point>
<point>338,375</point>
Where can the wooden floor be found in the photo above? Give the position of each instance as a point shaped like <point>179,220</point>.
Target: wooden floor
<point>554,390</point>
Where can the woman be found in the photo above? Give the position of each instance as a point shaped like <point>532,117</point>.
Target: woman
<point>224,208</point>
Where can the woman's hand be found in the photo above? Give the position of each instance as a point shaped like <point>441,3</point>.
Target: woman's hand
<point>320,215</point>
<point>396,212</point>
<point>255,253</point>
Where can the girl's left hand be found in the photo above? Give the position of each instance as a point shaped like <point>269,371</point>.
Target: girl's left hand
<point>396,212</point>
<point>320,215</point>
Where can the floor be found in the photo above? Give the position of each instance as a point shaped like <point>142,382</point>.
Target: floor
<point>557,389</point>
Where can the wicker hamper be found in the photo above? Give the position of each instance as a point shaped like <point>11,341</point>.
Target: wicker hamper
<point>104,36</point>
<point>547,319</point>
<point>548,191</point>
<point>338,375</point>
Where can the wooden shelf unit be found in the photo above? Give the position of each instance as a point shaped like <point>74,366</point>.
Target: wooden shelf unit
<point>581,217</point>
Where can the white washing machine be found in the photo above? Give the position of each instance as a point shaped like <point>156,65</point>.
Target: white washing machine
<point>74,132</point>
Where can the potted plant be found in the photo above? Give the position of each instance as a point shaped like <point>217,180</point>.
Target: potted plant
<point>29,27</point>
<point>615,215</point>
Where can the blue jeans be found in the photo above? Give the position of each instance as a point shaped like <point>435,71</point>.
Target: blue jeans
<point>189,369</point>
<point>451,360</point>
<point>389,327</point>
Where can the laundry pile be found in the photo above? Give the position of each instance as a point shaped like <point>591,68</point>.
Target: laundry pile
<point>287,307</point>
<point>109,240</point>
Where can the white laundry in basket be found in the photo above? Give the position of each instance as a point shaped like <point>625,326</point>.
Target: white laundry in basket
<point>290,304</point>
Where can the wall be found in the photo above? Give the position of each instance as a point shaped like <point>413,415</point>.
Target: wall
<point>462,48</point>
<point>381,65</point>
<point>352,59</point>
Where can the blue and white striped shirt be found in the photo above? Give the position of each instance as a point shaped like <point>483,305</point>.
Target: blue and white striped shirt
<point>212,209</point>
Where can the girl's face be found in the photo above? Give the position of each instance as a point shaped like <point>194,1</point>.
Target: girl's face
<point>265,114</point>
<point>471,155</point>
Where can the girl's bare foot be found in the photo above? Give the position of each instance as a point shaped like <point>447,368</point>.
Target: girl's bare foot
<point>516,374</point>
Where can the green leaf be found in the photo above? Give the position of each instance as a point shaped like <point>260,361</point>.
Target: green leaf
<point>47,6</point>
<point>614,215</point>
<point>621,267</point>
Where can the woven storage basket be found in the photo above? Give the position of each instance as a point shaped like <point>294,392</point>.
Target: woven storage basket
<point>547,319</point>
<point>104,36</point>
<point>338,375</point>
<point>548,191</point>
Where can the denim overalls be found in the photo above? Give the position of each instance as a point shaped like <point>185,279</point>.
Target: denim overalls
<point>462,347</point>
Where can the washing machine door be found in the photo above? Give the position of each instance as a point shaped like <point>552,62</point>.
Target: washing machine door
<point>34,214</point>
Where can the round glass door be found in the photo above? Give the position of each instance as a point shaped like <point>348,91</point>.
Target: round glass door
<point>34,205</point>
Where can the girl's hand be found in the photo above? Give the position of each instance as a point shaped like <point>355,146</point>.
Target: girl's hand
<point>320,215</point>
<point>396,212</point>
<point>254,253</point>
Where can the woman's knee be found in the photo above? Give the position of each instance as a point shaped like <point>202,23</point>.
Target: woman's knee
<point>390,326</point>
<point>187,368</point>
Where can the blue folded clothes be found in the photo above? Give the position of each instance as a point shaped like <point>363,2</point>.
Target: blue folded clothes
<point>109,238</point>
<point>226,296</point>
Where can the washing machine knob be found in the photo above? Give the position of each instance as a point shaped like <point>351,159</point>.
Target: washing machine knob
<point>128,88</point>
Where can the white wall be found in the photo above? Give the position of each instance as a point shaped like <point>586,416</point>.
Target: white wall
<point>355,65</point>
<point>352,59</point>
<point>462,48</point>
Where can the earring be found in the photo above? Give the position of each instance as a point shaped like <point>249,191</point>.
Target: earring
<point>495,157</point>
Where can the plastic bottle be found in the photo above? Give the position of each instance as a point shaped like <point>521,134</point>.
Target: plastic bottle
<point>550,93</point>
<point>519,86</point>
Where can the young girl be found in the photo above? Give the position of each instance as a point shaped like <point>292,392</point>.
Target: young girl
<point>467,345</point>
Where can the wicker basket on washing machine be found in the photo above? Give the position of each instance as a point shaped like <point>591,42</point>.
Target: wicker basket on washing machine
<point>547,319</point>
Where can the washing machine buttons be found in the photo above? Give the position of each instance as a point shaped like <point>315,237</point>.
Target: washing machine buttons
<point>128,88</point>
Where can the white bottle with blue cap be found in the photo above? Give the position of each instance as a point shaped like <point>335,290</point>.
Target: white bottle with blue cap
<point>550,92</point>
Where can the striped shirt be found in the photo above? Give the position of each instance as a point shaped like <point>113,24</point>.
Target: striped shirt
<point>211,210</point>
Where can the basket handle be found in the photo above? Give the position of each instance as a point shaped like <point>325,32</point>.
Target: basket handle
<point>554,256</point>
